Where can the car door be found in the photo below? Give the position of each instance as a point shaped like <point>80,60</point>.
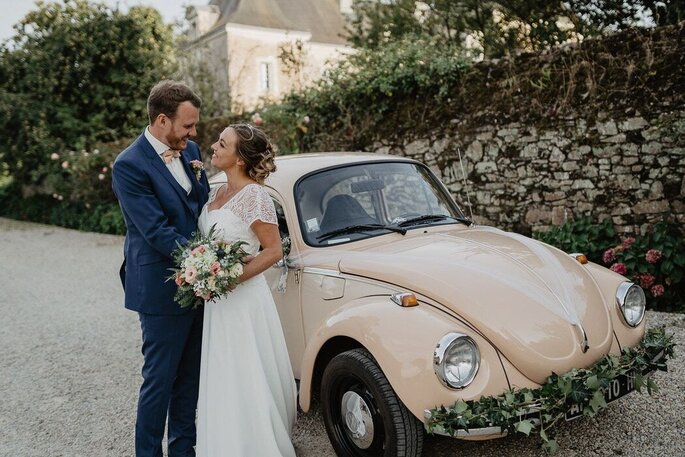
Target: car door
<point>288,298</point>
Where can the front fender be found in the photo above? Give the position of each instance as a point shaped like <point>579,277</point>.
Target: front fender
<point>402,340</point>
<point>607,281</point>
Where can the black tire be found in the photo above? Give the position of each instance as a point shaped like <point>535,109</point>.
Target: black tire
<point>395,433</point>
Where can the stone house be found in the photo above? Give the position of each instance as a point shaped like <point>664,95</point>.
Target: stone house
<point>261,49</point>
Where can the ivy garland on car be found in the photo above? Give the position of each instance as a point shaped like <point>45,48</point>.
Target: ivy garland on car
<point>524,410</point>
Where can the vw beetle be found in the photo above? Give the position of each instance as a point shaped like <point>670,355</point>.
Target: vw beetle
<point>393,302</point>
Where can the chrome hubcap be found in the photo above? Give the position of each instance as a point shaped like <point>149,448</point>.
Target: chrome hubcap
<point>357,418</point>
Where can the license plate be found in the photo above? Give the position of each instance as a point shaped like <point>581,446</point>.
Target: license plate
<point>620,386</point>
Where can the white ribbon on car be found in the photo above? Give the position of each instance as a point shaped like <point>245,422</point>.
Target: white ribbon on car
<point>283,277</point>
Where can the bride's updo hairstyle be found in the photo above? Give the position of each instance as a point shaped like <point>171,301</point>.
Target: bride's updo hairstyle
<point>256,151</point>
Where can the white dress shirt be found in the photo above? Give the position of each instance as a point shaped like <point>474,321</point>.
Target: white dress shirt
<point>175,166</point>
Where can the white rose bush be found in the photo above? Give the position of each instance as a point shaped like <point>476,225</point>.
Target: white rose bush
<point>208,268</point>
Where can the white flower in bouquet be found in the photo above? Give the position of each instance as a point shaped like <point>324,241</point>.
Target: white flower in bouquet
<point>236,270</point>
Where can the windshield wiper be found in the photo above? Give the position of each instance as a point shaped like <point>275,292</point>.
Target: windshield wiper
<point>431,218</point>
<point>360,228</point>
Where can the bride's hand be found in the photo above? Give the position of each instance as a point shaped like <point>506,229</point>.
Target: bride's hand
<point>247,259</point>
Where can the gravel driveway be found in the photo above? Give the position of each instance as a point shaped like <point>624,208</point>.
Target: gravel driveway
<point>70,366</point>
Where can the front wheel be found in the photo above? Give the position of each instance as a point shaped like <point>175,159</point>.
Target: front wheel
<point>363,416</point>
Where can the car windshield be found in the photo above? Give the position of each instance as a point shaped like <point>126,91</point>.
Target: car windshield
<point>369,199</point>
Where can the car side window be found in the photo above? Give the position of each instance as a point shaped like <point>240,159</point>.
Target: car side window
<point>280,216</point>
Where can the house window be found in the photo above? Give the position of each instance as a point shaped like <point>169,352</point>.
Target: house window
<point>266,76</point>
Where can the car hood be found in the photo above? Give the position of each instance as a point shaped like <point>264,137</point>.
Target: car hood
<point>537,305</point>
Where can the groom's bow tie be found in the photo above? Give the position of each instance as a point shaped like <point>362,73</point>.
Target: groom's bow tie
<point>170,154</point>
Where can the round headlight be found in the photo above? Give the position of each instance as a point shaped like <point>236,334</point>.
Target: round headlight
<point>631,300</point>
<point>456,360</point>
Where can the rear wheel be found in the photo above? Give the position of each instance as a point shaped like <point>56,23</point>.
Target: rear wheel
<point>363,416</point>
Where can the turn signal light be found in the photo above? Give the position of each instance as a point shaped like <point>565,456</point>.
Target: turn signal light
<point>582,258</point>
<point>406,300</point>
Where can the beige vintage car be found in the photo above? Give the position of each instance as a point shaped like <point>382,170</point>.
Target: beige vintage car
<point>392,302</point>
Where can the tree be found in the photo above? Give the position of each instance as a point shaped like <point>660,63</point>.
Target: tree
<point>493,28</point>
<point>76,73</point>
<point>498,27</point>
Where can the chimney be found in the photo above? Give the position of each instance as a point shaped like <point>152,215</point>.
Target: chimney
<point>202,19</point>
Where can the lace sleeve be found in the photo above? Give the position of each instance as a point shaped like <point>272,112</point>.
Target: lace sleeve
<point>256,204</point>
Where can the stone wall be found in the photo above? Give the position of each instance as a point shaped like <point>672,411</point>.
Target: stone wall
<point>529,178</point>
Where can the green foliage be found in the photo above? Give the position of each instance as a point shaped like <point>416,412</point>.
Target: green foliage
<point>497,28</point>
<point>514,409</point>
<point>365,90</point>
<point>584,235</point>
<point>611,15</point>
<point>101,217</point>
<point>74,74</point>
<point>414,86</point>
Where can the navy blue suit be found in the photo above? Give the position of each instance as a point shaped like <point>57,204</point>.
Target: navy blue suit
<point>159,214</point>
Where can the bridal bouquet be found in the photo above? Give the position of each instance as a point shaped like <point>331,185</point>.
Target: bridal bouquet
<point>207,268</point>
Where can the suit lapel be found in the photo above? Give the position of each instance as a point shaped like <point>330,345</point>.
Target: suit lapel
<point>161,167</point>
<point>190,173</point>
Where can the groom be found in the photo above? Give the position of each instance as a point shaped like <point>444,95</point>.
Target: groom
<point>161,197</point>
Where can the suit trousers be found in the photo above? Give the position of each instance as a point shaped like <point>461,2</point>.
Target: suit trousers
<point>172,345</point>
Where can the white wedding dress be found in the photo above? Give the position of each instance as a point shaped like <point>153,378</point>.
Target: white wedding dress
<point>247,401</point>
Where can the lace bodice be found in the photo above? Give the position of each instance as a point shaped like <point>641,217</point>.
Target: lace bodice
<point>234,218</point>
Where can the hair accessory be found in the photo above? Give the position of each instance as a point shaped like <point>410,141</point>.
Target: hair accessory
<point>249,127</point>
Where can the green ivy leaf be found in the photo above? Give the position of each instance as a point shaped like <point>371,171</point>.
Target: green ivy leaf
<point>578,393</point>
<point>528,397</point>
<point>564,385</point>
<point>524,427</point>
<point>592,382</point>
<point>550,446</point>
<point>597,403</point>
<point>460,406</point>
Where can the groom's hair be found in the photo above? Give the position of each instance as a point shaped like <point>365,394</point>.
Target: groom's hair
<point>165,97</point>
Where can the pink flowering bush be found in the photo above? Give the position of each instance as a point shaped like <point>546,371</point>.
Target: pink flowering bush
<point>656,262</point>
<point>84,176</point>
<point>653,256</point>
<point>619,268</point>
<point>608,256</point>
<point>646,280</point>
<point>75,191</point>
<point>657,291</point>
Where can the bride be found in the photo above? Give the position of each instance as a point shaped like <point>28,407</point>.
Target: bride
<point>247,400</point>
